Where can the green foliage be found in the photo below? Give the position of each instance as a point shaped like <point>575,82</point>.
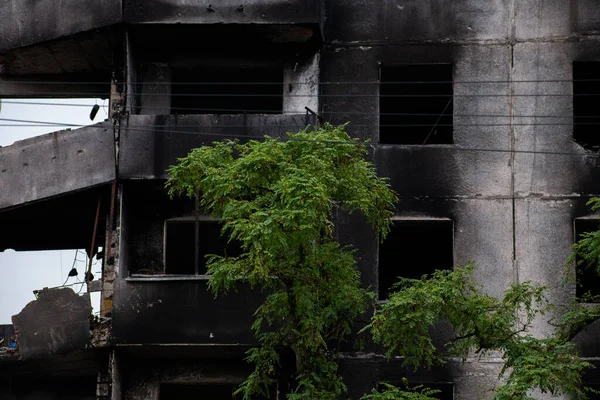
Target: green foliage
<point>391,392</point>
<point>586,252</point>
<point>278,199</point>
<point>482,323</point>
<point>550,365</point>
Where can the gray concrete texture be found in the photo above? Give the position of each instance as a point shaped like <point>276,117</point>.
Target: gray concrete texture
<point>57,322</point>
<point>513,212</point>
<point>27,22</point>
<point>223,11</point>
<point>56,163</point>
<point>32,21</point>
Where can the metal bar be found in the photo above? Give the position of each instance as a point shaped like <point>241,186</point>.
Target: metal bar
<point>90,254</point>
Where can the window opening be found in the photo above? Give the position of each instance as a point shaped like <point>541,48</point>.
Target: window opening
<point>208,391</point>
<point>586,97</point>
<point>227,90</point>
<point>412,249</point>
<point>588,280</point>
<point>180,246</point>
<point>416,104</point>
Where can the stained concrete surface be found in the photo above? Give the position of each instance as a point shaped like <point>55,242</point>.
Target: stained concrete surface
<point>58,321</point>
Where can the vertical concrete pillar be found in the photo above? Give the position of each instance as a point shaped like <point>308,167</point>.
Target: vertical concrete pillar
<point>131,77</point>
<point>301,85</point>
<point>155,89</point>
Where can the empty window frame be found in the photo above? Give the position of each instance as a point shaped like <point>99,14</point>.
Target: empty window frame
<point>416,104</point>
<point>227,90</point>
<point>180,245</point>
<point>586,100</point>
<point>588,280</point>
<point>208,391</point>
<point>414,248</point>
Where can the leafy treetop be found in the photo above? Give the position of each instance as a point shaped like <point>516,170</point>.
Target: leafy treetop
<point>278,198</point>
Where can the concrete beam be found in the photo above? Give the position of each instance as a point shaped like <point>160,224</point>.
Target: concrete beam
<point>223,11</point>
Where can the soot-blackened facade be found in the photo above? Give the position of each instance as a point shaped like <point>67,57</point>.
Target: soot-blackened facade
<point>470,106</point>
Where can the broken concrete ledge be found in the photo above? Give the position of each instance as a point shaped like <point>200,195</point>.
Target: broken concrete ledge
<point>57,322</point>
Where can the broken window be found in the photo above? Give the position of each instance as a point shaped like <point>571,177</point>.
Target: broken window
<point>412,249</point>
<point>227,89</point>
<point>588,279</point>
<point>208,391</point>
<point>180,246</point>
<point>416,104</point>
<point>586,97</point>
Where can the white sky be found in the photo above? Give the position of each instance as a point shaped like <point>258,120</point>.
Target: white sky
<point>24,272</point>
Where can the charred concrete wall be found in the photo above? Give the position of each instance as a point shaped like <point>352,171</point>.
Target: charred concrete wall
<point>161,374</point>
<point>152,143</point>
<point>513,180</point>
<point>153,307</point>
<point>57,322</point>
<point>223,12</point>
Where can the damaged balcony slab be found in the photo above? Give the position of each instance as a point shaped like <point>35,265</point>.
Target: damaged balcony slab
<point>26,22</point>
<point>56,163</point>
<point>223,11</point>
<point>151,143</point>
<point>57,322</point>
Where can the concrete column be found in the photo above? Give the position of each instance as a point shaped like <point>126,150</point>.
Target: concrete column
<point>301,85</point>
<point>155,89</point>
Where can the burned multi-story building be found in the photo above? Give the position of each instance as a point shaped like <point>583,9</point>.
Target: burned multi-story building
<point>483,114</point>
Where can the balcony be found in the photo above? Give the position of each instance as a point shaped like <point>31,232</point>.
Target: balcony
<point>26,22</point>
<point>56,163</point>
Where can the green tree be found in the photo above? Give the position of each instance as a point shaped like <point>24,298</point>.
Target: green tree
<point>482,324</point>
<point>279,198</point>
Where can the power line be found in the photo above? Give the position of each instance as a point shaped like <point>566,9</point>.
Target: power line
<point>154,83</point>
<point>437,146</point>
<point>30,123</point>
<point>260,95</point>
<point>52,104</point>
<point>45,123</point>
<point>281,112</point>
